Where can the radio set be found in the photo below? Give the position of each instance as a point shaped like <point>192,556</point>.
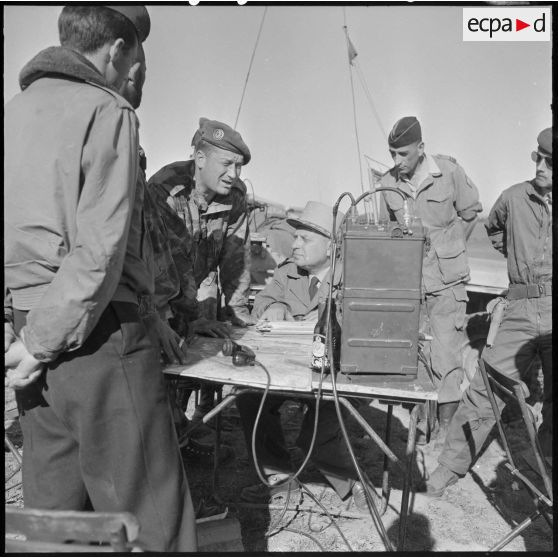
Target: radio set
<point>377,330</point>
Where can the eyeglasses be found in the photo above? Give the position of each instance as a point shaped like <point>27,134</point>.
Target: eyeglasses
<point>536,157</point>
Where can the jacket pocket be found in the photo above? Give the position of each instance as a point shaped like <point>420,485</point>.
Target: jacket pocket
<point>452,261</point>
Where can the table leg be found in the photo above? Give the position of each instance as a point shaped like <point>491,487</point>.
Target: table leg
<point>217,440</point>
<point>410,454</point>
<point>377,439</point>
<point>385,473</point>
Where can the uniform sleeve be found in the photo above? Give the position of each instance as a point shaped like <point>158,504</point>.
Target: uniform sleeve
<point>467,202</point>
<point>176,285</point>
<point>496,225</point>
<point>89,275</point>
<point>234,263</point>
<point>274,293</point>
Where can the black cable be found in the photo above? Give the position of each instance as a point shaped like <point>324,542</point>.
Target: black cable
<point>291,530</point>
<point>332,521</point>
<point>305,461</point>
<point>329,340</point>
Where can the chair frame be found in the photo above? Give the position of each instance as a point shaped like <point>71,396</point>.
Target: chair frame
<point>516,389</point>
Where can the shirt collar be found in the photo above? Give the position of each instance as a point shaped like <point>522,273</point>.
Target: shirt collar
<point>429,163</point>
<point>320,276</point>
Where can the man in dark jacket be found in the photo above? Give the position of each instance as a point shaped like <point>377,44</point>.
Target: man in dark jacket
<point>519,226</point>
<point>294,293</point>
<point>202,203</point>
<point>94,412</point>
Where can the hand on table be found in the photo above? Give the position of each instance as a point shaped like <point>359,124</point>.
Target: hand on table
<point>242,320</point>
<point>277,313</point>
<point>210,328</point>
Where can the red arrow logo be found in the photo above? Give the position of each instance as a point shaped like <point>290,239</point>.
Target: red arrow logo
<point>519,25</point>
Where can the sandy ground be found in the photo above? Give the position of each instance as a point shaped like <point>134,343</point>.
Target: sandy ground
<point>471,516</point>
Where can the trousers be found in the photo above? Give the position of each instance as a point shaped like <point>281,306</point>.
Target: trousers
<point>525,332</point>
<point>98,433</point>
<point>330,453</point>
<point>445,312</point>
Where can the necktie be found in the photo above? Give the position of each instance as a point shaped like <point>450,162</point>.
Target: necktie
<point>313,288</point>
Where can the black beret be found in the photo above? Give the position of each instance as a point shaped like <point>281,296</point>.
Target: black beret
<point>404,132</point>
<point>138,15</point>
<point>544,140</point>
<point>221,135</point>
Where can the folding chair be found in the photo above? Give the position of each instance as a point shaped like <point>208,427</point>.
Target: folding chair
<point>48,531</point>
<point>517,390</point>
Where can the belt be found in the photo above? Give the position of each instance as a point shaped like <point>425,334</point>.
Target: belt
<point>516,292</point>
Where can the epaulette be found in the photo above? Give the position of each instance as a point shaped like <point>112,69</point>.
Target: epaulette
<point>120,101</point>
<point>447,157</point>
<point>285,262</point>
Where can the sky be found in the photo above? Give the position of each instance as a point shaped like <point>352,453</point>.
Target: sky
<point>482,103</point>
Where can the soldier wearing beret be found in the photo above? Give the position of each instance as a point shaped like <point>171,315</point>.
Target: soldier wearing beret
<point>444,198</point>
<point>94,415</point>
<point>520,227</point>
<point>203,205</point>
<point>294,292</point>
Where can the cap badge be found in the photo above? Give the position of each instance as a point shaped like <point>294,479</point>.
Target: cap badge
<point>218,134</point>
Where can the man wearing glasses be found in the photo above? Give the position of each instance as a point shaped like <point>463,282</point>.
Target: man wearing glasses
<point>519,226</point>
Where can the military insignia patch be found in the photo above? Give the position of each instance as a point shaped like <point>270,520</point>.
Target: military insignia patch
<point>218,134</point>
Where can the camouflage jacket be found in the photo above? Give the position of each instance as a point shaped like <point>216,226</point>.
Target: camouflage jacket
<point>205,240</point>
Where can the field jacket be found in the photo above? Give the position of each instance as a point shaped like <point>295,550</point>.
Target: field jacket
<point>444,198</point>
<point>71,163</point>
<point>520,227</point>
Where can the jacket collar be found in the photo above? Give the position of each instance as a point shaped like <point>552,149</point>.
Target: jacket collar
<point>531,191</point>
<point>60,61</point>
<point>432,171</point>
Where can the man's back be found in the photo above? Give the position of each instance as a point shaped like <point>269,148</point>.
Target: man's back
<point>44,173</point>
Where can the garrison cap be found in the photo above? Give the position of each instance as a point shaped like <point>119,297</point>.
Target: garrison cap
<point>544,139</point>
<point>138,15</point>
<point>221,135</point>
<point>404,132</point>
<point>317,217</point>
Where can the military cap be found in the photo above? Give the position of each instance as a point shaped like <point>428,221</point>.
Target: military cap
<point>138,15</point>
<point>317,217</point>
<point>404,132</point>
<point>544,139</point>
<point>221,135</point>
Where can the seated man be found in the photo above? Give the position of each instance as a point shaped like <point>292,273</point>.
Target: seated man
<point>293,294</point>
